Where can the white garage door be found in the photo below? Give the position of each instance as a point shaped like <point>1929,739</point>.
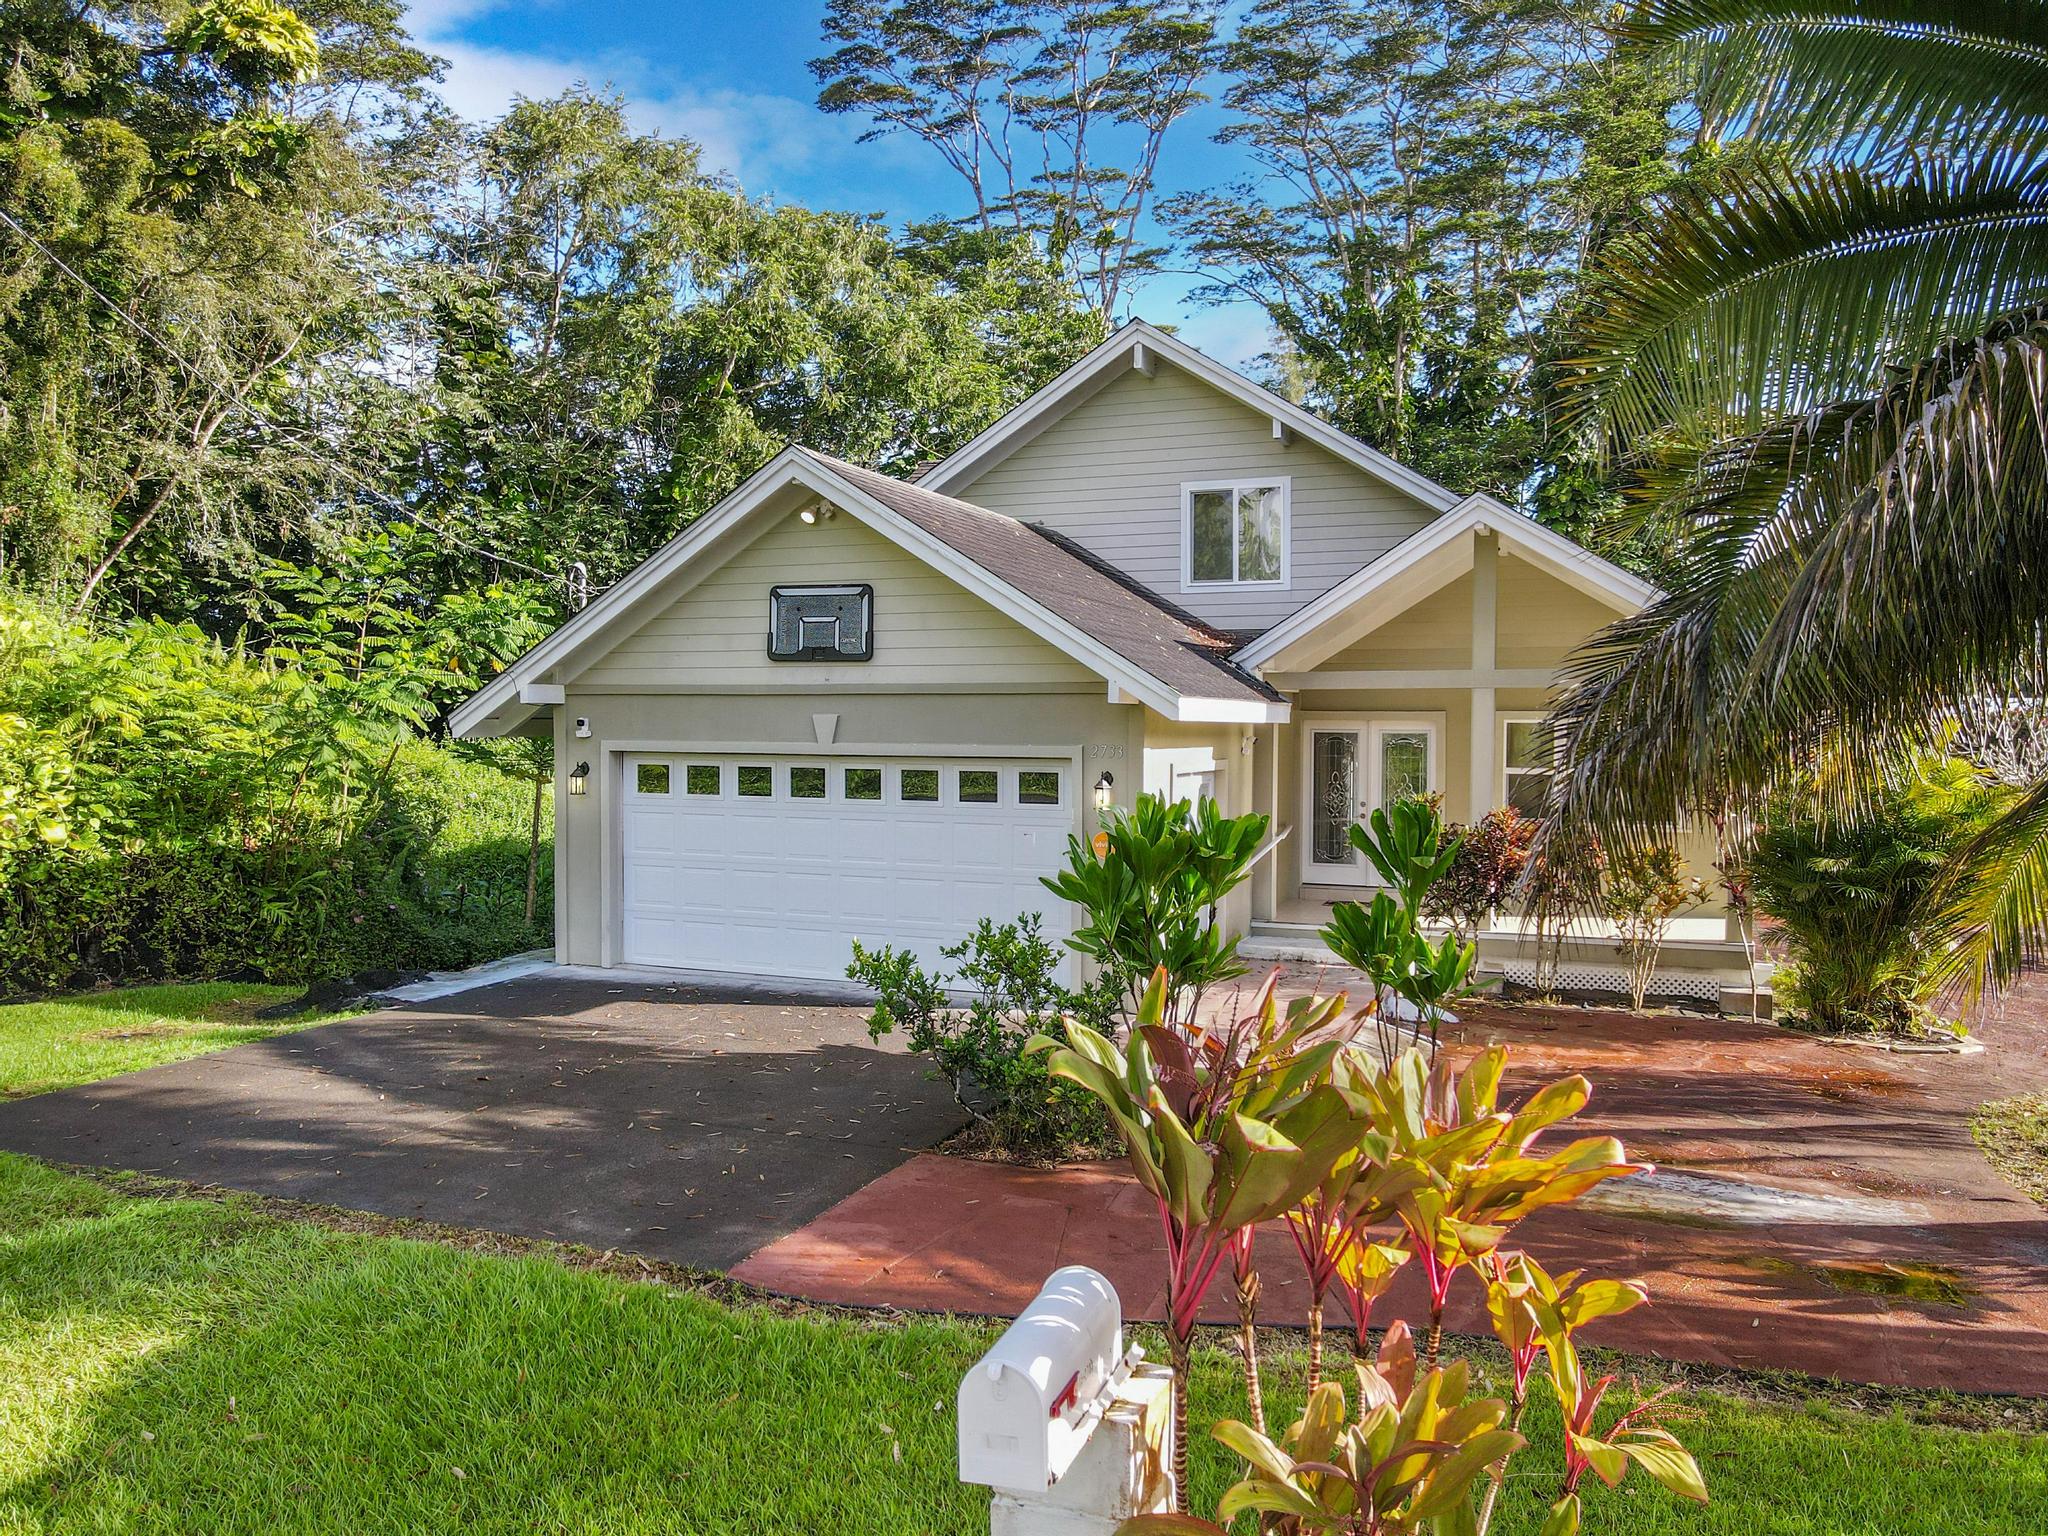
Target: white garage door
<point>774,866</point>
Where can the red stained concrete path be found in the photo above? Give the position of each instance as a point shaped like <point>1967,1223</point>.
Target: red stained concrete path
<point>1719,1097</point>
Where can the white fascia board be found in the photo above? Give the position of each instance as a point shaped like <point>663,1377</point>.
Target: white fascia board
<point>1122,351</point>
<point>1570,562</point>
<point>1234,711</point>
<point>583,627</point>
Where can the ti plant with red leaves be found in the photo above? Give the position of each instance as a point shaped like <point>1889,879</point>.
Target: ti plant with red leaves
<point>1223,1131</point>
<point>1469,1169</point>
<point>1531,1313</point>
<point>1407,1463</point>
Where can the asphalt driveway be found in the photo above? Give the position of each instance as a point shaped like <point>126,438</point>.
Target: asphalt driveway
<point>686,1124</point>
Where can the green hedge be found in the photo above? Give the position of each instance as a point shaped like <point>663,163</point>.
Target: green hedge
<point>179,809</point>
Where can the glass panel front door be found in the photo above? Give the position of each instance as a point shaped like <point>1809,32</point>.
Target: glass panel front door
<point>1403,765</point>
<point>1354,768</point>
<point>1333,804</point>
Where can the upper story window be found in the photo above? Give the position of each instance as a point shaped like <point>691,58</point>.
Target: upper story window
<point>1234,533</point>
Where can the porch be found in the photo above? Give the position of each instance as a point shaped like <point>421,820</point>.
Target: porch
<point>1428,673</point>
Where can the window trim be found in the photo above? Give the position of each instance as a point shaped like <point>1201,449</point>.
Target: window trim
<point>1284,484</point>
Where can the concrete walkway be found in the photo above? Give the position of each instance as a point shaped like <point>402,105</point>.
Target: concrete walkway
<point>1818,1208</point>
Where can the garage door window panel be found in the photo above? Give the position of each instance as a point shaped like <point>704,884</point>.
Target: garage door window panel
<point>862,784</point>
<point>650,778</point>
<point>757,781</point>
<point>1038,786</point>
<point>703,779</point>
<point>980,786</point>
<point>918,786</point>
<point>806,782</point>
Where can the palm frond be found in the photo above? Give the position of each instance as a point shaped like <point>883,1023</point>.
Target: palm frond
<point>1865,573</point>
<point>1783,291</point>
<point>1860,79</point>
<point>1994,898</point>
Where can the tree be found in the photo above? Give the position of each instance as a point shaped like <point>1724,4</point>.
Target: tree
<point>1828,373</point>
<point>1024,100</point>
<point>1427,181</point>
<point>179,251</point>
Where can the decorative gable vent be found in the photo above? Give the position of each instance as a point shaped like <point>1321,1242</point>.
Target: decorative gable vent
<point>821,623</point>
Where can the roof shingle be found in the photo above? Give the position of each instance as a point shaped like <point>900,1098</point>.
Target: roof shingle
<point>1158,638</point>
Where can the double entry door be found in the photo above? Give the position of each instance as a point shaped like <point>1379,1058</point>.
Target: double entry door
<point>1352,767</point>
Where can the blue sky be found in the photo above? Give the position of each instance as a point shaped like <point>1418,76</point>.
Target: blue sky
<point>734,78</point>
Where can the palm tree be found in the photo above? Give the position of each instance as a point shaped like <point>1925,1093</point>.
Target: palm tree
<point>1829,378</point>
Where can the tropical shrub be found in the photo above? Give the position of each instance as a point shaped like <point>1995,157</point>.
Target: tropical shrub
<point>199,812</point>
<point>1010,972</point>
<point>1152,896</point>
<point>1859,898</point>
<point>1492,854</point>
<point>1643,890</point>
<point>1413,980</point>
<point>1279,1112</point>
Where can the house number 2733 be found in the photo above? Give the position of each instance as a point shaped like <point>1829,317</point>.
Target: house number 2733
<point>1105,749</point>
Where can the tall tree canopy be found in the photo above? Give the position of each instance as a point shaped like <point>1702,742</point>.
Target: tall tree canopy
<point>268,306</point>
<point>1429,179</point>
<point>1052,112</point>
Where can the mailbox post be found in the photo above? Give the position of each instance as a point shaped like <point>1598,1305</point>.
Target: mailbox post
<point>1071,1430</point>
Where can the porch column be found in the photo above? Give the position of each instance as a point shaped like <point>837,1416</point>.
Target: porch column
<point>1479,786</point>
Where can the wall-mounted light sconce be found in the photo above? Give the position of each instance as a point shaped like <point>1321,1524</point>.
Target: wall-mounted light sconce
<point>1103,786</point>
<point>579,779</point>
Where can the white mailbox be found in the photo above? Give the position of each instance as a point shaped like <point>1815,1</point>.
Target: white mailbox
<point>1028,1406</point>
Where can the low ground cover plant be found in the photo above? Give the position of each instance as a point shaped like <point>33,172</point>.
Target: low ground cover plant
<point>61,1042</point>
<point>176,1364</point>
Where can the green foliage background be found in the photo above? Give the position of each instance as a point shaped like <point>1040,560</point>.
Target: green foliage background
<point>214,812</point>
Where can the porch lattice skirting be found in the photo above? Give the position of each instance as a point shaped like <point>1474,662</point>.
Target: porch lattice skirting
<point>1704,986</point>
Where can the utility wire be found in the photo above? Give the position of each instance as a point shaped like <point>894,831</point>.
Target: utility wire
<point>347,471</point>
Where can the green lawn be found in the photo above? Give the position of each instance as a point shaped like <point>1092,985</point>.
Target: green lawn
<point>2014,1136</point>
<point>64,1041</point>
<point>178,1364</point>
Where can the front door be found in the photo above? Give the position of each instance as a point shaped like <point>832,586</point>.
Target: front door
<point>1354,767</point>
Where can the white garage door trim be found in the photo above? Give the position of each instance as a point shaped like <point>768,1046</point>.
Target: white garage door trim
<point>826,845</point>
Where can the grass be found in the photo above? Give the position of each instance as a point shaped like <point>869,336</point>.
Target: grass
<point>2014,1136</point>
<point>181,1364</point>
<point>64,1041</point>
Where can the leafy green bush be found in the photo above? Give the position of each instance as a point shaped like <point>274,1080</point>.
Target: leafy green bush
<point>1152,896</point>
<point>1857,900</point>
<point>1011,971</point>
<point>186,810</point>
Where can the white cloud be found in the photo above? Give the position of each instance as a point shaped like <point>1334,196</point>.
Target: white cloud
<point>762,140</point>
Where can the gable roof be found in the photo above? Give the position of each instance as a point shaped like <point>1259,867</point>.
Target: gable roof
<point>1167,642</point>
<point>1430,556</point>
<point>1142,346</point>
<point>1145,649</point>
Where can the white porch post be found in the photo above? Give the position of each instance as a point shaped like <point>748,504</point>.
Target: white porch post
<point>1479,788</point>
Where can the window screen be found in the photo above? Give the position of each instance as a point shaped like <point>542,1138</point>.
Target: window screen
<point>821,623</point>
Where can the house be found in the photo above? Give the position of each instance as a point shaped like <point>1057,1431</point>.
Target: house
<point>842,705</point>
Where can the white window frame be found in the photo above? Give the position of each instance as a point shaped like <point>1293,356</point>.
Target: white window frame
<point>1283,483</point>
<point>1505,772</point>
